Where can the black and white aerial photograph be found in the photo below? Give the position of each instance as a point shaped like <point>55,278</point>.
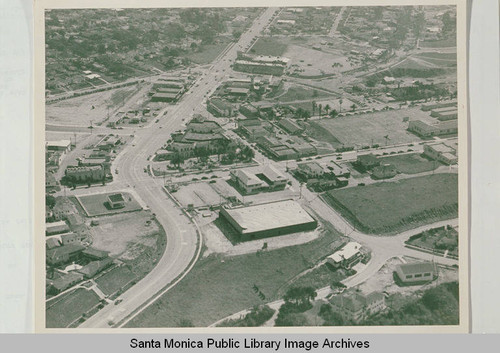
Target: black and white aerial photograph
<point>229,167</point>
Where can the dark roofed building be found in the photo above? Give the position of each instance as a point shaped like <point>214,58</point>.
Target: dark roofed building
<point>63,254</point>
<point>64,282</point>
<point>95,254</point>
<point>357,306</point>
<point>220,107</point>
<point>291,126</point>
<point>94,267</point>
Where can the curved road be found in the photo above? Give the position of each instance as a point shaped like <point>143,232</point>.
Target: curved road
<point>182,240</point>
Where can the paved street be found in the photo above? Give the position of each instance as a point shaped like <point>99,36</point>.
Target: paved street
<point>183,243</point>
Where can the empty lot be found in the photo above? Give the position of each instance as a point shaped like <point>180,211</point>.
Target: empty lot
<point>389,207</point>
<point>371,128</point>
<point>91,107</point>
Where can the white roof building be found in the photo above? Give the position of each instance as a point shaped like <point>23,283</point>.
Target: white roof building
<point>349,251</point>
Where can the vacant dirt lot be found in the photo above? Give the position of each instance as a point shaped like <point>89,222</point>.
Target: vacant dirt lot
<point>81,110</point>
<point>197,194</point>
<point>395,206</point>
<point>371,128</point>
<point>118,233</point>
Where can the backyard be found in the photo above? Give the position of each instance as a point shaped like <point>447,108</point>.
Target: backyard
<point>390,207</point>
<point>64,310</point>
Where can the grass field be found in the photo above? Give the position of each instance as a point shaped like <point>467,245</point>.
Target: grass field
<point>445,43</point>
<point>115,279</point>
<point>219,286</point>
<point>396,206</point>
<point>62,311</point>
<point>410,163</point>
<point>209,52</point>
<point>268,46</point>
<point>97,205</point>
<point>371,128</point>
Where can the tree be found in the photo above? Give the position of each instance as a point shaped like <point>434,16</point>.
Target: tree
<point>353,107</point>
<point>340,104</point>
<point>50,201</point>
<point>300,296</point>
<point>334,113</point>
<point>314,107</point>
<point>320,106</point>
<point>177,159</point>
<point>327,108</point>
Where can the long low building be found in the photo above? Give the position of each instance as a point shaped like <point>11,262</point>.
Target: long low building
<point>270,219</point>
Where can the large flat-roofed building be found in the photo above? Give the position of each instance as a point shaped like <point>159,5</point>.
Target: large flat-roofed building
<point>423,129</point>
<point>270,219</point>
<point>444,152</point>
<point>437,105</point>
<point>60,145</point>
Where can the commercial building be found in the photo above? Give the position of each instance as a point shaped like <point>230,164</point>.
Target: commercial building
<point>291,126</point>
<point>426,130</point>
<point>446,113</point>
<point>261,64</point>
<point>349,255</point>
<point>63,146</point>
<point>270,219</point>
<point>220,107</point>
<point>437,105</point>
<point>265,179</point>
<point>292,147</point>
<point>416,272</point>
<point>444,152</point>
<point>116,201</point>
<point>356,306</point>
<point>249,111</point>
<point>166,97</point>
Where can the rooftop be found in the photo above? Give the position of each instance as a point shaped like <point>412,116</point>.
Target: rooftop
<point>348,251</point>
<point>116,197</point>
<point>269,216</point>
<point>418,267</point>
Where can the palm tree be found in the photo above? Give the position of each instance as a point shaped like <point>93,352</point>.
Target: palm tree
<point>353,107</point>
<point>327,108</point>
<point>313,106</point>
<point>340,105</point>
<point>319,107</point>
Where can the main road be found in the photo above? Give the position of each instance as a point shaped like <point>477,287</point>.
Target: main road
<point>183,242</point>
